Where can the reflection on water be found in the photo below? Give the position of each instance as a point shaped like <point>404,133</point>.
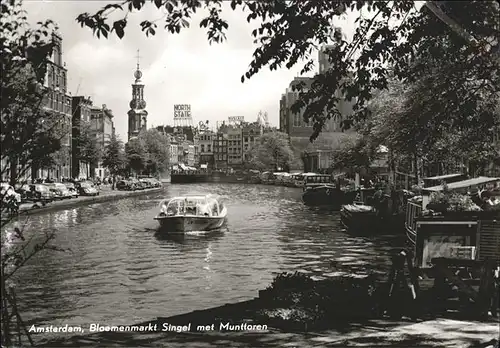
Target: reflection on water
<point>120,270</point>
<point>189,238</point>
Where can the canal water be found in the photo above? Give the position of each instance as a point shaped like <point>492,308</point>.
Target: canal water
<point>119,271</point>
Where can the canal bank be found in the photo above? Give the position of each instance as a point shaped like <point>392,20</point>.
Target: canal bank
<point>105,195</point>
<point>205,332</point>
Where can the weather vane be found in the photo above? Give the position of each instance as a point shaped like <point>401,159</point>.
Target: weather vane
<point>138,59</point>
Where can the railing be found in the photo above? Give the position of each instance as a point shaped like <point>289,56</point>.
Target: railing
<point>413,210</point>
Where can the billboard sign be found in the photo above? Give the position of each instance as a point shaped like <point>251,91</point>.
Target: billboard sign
<point>182,111</point>
<point>234,119</point>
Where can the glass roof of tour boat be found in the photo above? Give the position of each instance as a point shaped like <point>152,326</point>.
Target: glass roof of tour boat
<point>191,199</point>
<point>464,184</point>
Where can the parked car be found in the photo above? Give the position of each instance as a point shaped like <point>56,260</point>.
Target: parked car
<point>155,182</point>
<point>151,182</point>
<point>36,193</point>
<point>142,185</point>
<point>86,188</point>
<point>135,184</point>
<point>11,200</point>
<point>60,191</point>
<point>146,183</point>
<point>72,189</point>
<point>125,185</point>
<point>7,193</point>
<point>6,190</point>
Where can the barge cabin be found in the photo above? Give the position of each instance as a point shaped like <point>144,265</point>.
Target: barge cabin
<point>464,234</point>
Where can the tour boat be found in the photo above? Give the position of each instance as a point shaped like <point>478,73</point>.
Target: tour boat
<point>191,213</point>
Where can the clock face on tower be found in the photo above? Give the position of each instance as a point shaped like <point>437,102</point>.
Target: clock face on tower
<point>137,104</point>
<point>138,74</point>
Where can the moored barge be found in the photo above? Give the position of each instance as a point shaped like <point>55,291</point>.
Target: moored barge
<point>464,234</point>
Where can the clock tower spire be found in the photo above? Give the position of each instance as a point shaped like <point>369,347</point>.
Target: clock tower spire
<point>137,115</point>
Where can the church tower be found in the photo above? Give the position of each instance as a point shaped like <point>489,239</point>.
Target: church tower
<point>137,115</point>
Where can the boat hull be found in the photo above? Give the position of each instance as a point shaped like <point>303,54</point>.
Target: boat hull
<point>330,197</point>
<point>181,224</point>
<point>359,221</point>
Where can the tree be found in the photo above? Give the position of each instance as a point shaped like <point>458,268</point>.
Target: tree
<point>88,149</point>
<point>388,35</point>
<point>156,146</point>
<point>412,126</point>
<point>136,155</point>
<point>356,154</point>
<point>28,137</point>
<point>114,156</point>
<point>272,152</point>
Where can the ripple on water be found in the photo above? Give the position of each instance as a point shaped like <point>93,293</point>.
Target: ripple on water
<point>120,271</point>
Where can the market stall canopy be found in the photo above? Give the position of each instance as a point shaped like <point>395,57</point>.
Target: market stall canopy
<point>465,184</point>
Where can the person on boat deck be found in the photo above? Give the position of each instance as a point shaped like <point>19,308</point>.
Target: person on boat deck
<point>204,209</point>
<point>171,210</point>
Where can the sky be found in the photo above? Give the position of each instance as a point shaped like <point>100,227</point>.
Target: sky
<point>177,68</point>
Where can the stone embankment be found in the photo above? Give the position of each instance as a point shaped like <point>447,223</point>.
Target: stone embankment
<point>105,195</point>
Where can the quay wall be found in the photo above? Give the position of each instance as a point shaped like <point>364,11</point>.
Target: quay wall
<point>208,178</point>
<point>80,201</point>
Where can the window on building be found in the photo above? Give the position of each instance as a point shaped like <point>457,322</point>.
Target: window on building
<point>208,148</point>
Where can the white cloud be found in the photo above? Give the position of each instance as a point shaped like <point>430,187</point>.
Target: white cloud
<point>177,69</point>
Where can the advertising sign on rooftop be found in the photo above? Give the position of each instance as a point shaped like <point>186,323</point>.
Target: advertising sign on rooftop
<point>182,111</point>
<point>234,119</point>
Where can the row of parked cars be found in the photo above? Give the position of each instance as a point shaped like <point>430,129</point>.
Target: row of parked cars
<point>133,184</point>
<point>48,192</point>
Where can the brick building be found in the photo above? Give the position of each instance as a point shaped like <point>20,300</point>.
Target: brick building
<point>58,101</point>
<point>234,146</point>
<point>101,124</point>
<point>220,146</point>
<point>205,148</point>
<point>80,107</point>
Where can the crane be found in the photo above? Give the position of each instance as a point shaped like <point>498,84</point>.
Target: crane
<point>78,87</point>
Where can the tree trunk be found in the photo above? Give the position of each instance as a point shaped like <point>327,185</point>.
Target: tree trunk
<point>415,167</point>
<point>6,336</point>
<point>34,171</point>
<point>13,170</point>
<point>392,169</point>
